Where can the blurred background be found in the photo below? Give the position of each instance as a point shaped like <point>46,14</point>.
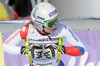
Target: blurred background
<point>79,14</point>
<point>83,16</point>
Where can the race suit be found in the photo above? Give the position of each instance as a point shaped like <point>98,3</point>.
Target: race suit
<point>30,33</point>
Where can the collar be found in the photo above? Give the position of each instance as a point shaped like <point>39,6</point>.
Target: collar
<point>43,34</point>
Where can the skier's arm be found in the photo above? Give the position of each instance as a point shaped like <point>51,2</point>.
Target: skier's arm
<point>76,47</point>
<point>9,45</point>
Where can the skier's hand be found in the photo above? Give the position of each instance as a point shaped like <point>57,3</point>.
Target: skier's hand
<point>24,50</point>
<point>62,49</point>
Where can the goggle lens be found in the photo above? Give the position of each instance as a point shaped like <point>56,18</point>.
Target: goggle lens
<point>51,23</point>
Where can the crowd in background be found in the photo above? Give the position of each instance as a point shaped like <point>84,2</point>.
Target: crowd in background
<point>22,7</point>
<point>16,8</point>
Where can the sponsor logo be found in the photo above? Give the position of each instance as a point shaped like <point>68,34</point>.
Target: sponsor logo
<point>65,27</point>
<point>45,64</point>
<point>23,29</point>
<point>46,39</point>
<point>41,18</point>
<point>74,36</point>
<point>53,13</point>
<point>11,38</point>
<point>38,21</point>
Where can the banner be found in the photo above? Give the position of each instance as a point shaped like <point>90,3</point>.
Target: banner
<point>14,60</point>
<point>1,52</point>
<point>90,39</point>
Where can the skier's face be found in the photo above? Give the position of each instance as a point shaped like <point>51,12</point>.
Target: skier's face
<point>50,30</point>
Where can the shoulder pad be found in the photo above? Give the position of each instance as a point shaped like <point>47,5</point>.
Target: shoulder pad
<point>24,31</point>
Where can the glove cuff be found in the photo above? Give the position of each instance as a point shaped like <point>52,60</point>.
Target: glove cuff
<point>22,51</point>
<point>63,49</point>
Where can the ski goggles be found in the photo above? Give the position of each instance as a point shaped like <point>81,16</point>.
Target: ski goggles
<point>51,23</point>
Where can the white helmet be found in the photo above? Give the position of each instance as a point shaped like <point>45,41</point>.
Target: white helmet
<point>44,14</point>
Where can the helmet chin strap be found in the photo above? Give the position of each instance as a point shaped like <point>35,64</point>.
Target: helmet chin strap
<point>45,31</point>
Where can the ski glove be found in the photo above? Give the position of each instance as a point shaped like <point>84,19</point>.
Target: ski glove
<point>24,50</point>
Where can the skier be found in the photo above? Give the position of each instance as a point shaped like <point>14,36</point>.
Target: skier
<point>45,36</point>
